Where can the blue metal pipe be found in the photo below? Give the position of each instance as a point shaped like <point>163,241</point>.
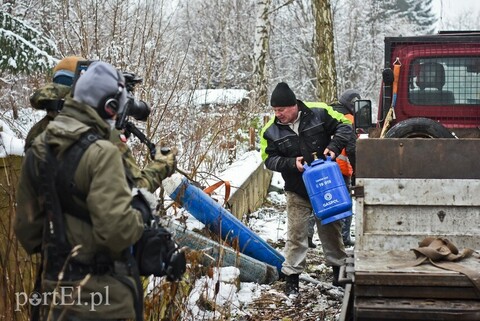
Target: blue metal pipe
<point>251,270</point>
<point>220,221</point>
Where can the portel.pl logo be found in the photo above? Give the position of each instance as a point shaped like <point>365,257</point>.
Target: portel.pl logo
<point>63,296</point>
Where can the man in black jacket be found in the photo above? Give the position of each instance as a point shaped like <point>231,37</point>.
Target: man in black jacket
<point>288,141</point>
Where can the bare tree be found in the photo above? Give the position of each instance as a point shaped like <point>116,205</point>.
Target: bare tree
<point>324,51</point>
<point>260,52</point>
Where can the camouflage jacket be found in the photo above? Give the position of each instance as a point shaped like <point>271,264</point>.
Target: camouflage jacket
<point>48,93</point>
<point>38,128</point>
<point>115,224</point>
<point>45,98</point>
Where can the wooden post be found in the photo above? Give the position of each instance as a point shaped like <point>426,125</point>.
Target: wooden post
<point>252,138</point>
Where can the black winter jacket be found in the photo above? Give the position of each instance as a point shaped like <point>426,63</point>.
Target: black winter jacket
<point>320,127</point>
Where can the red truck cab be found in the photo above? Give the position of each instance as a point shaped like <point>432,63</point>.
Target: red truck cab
<point>438,86</point>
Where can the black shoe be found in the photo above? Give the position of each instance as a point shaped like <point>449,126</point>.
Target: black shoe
<point>348,242</point>
<point>291,284</point>
<point>311,244</point>
<point>336,274</point>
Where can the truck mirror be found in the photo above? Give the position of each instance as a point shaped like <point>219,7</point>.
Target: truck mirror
<point>363,116</point>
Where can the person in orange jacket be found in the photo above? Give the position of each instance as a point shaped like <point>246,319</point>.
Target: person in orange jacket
<point>346,160</point>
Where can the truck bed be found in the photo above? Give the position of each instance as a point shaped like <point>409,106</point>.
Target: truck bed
<point>407,190</point>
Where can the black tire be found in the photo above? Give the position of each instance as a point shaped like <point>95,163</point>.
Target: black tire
<point>418,128</point>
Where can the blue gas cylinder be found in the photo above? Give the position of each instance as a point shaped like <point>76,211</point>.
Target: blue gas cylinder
<point>327,191</point>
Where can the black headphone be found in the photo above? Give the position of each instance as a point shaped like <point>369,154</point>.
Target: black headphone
<point>109,105</point>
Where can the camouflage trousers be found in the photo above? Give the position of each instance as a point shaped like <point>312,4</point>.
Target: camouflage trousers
<point>299,212</point>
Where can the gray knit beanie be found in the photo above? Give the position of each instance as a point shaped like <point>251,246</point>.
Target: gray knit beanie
<point>100,83</point>
<point>348,98</point>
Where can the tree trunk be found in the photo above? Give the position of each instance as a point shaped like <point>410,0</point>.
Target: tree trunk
<point>260,52</point>
<point>324,51</point>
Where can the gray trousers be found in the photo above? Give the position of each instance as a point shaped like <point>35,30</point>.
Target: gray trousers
<point>311,225</point>
<point>299,212</point>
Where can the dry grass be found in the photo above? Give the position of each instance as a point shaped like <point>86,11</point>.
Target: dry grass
<point>17,269</point>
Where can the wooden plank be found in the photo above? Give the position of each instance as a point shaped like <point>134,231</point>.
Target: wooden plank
<point>388,274</point>
<point>406,241</point>
<point>432,158</point>
<point>391,263</point>
<point>416,309</point>
<point>251,194</point>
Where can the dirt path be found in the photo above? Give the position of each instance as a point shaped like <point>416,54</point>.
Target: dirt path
<point>318,300</point>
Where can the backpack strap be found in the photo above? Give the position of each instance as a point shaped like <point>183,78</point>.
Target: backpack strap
<point>68,191</point>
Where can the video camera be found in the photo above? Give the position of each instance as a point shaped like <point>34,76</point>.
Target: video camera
<point>138,109</point>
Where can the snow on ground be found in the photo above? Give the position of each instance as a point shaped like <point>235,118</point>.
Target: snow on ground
<point>268,222</point>
<point>9,143</point>
<point>318,300</point>
<point>230,296</point>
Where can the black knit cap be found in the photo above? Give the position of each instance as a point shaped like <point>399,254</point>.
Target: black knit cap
<point>282,96</point>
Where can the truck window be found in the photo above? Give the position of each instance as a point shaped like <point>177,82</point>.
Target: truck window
<point>444,81</point>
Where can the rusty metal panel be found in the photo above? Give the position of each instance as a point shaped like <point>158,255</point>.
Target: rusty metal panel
<point>418,158</point>
<point>424,221</point>
<point>406,241</point>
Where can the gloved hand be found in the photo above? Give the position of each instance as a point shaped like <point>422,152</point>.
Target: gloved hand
<point>141,204</point>
<point>156,253</point>
<point>168,157</point>
<point>177,265</point>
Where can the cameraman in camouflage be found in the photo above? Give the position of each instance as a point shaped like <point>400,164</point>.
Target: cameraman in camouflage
<point>51,97</point>
<point>76,209</point>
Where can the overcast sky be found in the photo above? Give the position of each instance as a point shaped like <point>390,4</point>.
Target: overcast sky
<point>450,9</point>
